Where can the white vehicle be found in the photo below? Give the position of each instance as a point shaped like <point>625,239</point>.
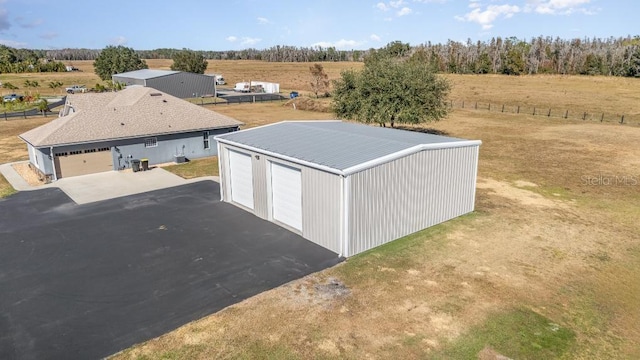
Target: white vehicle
<point>219,79</point>
<point>76,89</point>
<point>242,87</point>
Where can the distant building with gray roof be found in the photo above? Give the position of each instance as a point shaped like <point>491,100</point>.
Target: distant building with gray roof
<point>180,84</point>
<point>99,132</point>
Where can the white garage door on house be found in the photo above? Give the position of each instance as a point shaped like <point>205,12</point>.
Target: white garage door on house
<point>241,177</point>
<point>286,192</point>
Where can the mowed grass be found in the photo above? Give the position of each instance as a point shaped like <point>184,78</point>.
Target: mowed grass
<point>195,168</point>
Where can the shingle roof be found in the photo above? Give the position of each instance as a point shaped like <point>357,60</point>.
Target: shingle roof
<point>336,145</point>
<point>145,74</point>
<point>134,112</point>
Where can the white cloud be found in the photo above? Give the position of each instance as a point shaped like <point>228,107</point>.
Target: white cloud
<point>558,7</point>
<point>486,17</point>
<point>396,5</point>
<point>118,40</point>
<point>13,44</point>
<point>382,6</point>
<point>263,21</point>
<point>231,38</point>
<point>250,41</point>
<point>374,37</point>
<point>341,44</point>
<point>404,11</point>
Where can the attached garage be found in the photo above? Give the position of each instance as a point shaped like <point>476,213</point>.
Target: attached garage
<point>83,162</point>
<point>345,186</point>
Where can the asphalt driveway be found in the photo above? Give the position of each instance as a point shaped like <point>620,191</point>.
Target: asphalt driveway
<point>85,281</point>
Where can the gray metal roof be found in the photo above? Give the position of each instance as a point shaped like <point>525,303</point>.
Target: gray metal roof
<point>335,145</point>
<point>145,74</point>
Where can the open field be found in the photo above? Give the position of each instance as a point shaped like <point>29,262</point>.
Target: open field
<point>547,266</point>
<point>593,94</point>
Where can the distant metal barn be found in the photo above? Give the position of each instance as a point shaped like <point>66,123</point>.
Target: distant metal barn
<point>180,84</point>
<point>345,186</point>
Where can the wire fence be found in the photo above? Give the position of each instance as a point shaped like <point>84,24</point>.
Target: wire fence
<point>549,112</point>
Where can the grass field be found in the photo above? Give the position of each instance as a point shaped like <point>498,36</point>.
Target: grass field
<point>546,267</point>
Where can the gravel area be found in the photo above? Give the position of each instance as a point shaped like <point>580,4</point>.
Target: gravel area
<point>27,174</point>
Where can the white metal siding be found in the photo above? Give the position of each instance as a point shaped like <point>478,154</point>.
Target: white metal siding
<point>286,192</point>
<point>321,208</point>
<point>410,194</point>
<point>260,192</point>
<point>241,178</point>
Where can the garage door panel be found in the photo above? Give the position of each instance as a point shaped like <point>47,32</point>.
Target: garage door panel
<point>286,193</point>
<point>83,164</point>
<point>241,175</point>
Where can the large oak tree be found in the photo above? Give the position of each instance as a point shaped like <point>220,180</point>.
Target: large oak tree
<point>390,89</point>
<point>189,61</point>
<point>116,60</point>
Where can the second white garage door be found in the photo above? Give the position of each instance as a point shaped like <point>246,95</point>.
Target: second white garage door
<point>286,192</point>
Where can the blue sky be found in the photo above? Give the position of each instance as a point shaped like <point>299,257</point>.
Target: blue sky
<point>345,24</point>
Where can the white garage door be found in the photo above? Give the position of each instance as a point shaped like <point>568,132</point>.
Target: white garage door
<point>241,178</point>
<point>286,192</point>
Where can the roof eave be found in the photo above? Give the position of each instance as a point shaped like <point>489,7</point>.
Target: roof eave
<point>128,137</point>
<point>359,167</point>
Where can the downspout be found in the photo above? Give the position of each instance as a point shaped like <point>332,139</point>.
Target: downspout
<point>53,163</point>
<point>221,176</point>
<point>344,248</point>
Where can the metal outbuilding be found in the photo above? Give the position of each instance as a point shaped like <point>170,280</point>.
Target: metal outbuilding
<point>348,187</point>
<point>180,84</point>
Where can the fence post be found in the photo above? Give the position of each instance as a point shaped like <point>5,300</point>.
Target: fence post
<point>566,114</point>
<point>518,111</point>
<point>502,107</point>
<point>584,116</point>
<point>5,115</point>
<point>602,117</point>
<point>489,106</point>
<point>549,113</point>
<point>24,113</point>
<point>622,119</point>
<point>534,111</point>
<point>476,105</point>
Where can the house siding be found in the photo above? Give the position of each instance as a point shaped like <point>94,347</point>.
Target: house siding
<point>39,157</point>
<point>409,194</point>
<point>191,145</point>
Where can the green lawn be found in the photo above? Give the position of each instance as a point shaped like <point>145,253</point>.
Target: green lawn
<point>195,168</point>
<point>5,188</point>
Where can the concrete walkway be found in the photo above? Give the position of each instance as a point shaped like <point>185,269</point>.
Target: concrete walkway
<point>107,185</point>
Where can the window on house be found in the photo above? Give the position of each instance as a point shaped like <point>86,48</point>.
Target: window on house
<point>206,139</point>
<point>150,142</point>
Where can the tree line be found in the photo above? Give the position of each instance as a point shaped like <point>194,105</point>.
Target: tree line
<point>512,56</point>
<point>25,60</point>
